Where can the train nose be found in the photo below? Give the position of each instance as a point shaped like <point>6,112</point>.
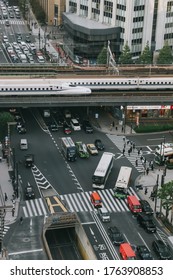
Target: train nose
<point>88,90</point>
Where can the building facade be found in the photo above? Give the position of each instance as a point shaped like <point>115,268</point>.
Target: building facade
<point>138,21</point>
<point>53,10</point>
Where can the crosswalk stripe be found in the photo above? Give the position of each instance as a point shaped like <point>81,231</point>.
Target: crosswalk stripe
<point>39,210</point>
<point>79,202</point>
<point>42,206</point>
<point>29,208</point>
<point>86,202</point>
<point>111,198</point>
<point>34,207</point>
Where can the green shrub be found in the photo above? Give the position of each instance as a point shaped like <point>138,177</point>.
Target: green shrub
<point>153,128</point>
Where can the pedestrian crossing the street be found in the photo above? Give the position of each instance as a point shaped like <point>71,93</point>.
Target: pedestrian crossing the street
<point>79,202</point>
<point>35,207</point>
<point>133,157</point>
<point>12,22</point>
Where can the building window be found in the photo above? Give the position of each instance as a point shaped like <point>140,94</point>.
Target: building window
<point>56,11</point>
<point>168,36</point>
<point>137,41</point>
<point>137,19</point>
<point>121,7</point>
<point>170,6</point>
<point>137,30</point>
<point>168,25</point>
<point>139,8</point>
<point>120,18</point>
<point>73,6</point>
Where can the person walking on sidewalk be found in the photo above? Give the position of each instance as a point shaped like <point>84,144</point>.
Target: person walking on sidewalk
<point>146,190</point>
<point>136,162</point>
<point>123,151</point>
<point>21,220</point>
<point>13,211</point>
<point>5,196</point>
<point>147,170</point>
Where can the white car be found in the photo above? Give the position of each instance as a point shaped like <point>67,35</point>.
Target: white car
<point>75,125</point>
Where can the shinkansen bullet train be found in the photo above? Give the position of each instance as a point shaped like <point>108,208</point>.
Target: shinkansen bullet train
<point>81,86</point>
<point>42,87</point>
<point>153,83</point>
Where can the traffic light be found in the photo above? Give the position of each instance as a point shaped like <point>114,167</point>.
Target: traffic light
<point>6,141</point>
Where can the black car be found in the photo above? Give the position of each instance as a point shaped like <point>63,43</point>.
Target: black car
<point>29,193</point>
<point>87,126</point>
<point>115,235</point>
<point>99,145</point>
<point>144,253</point>
<point>66,128</point>
<point>21,129</point>
<point>146,222</point>
<point>53,127</point>
<point>146,208</point>
<point>161,249</point>
<point>29,160</point>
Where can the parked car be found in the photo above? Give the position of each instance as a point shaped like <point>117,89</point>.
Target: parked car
<point>99,145</point>
<point>92,149</point>
<point>161,249</point>
<point>81,150</point>
<point>144,253</point>
<point>115,235</point>
<point>146,208</point>
<point>29,192</point>
<point>87,126</point>
<point>146,222</point>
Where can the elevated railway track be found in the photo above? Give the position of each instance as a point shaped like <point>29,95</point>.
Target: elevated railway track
<point>56,70</point>
<point>95,99</point>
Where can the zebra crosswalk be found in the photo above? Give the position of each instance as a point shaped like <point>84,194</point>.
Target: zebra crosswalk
<point>119,143</point>
<point>35,207</point>
<point>17,22</point>
<point>80,202</point>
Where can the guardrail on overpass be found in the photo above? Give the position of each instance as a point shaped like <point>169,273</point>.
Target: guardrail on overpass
<point>91,100</point>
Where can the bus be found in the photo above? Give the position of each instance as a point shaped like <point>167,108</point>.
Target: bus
<point>164,154</point>
<point>102,171</point>
<point>122,182</point>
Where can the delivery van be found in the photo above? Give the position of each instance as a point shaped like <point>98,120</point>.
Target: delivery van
<point>126,251</point>
<point>23,144</point>
<point>134,204</point>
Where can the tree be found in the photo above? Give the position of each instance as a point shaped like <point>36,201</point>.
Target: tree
<point>38,11</point>
<point>5,117</point>
<point>165,193</point>
<point>126,56</point>
<point>102,57</point>
<point>165,55</point>
<point>146,56</point>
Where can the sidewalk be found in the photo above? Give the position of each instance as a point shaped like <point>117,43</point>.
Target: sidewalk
<point>6,187</point>
<point>108,124</point>
<point>148,182</point>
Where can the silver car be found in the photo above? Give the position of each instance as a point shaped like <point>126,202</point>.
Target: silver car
<point>104,214</point>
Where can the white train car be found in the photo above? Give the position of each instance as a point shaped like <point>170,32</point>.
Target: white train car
<point>116,83</point>
<point>43,87</point>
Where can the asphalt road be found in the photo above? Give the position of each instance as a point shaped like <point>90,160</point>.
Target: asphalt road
<point>75,178</point>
